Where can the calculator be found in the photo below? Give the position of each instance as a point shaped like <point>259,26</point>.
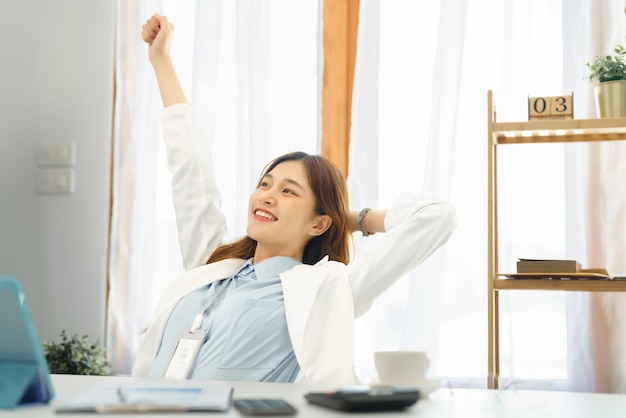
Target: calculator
<point>366,399</point>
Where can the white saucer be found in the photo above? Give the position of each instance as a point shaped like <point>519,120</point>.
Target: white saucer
<point>426,386</point>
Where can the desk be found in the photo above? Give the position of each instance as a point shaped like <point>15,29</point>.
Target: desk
<point>448,403</point>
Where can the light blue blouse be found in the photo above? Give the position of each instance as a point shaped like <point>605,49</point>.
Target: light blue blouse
<point>246,328</point>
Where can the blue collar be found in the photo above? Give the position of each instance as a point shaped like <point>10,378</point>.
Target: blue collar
<point>268,269</point>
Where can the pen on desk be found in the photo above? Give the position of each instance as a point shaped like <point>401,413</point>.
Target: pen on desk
<point>121,394</point>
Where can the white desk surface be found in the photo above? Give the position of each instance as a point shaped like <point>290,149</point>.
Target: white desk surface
<point>448,403</point>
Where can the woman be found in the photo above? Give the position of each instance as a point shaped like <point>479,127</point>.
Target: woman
<point>279,304</point>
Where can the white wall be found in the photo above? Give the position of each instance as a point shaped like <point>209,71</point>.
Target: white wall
<point>56,85</point>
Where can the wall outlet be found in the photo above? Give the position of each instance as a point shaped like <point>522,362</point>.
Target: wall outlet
<point>55,180</point>
<point>56,154</point>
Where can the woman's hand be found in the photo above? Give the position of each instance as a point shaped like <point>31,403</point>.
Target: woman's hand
<point>157,32</point>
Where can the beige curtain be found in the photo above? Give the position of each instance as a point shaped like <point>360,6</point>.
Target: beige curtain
<point>597,202</point>
<point>134,165</point>
<point>606,231</point>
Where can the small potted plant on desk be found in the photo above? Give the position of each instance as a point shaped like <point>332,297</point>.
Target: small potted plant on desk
<point>75,355</point>
<point>610,92</point>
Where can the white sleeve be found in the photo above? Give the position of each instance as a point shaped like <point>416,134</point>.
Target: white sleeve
<point>197,201</point>
<point>415,227</point>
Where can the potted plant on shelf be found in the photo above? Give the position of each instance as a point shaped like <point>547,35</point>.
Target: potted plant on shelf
<point>610,73</point>
<point>75,355</point>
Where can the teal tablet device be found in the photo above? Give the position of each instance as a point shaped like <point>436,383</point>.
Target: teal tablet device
<point>24,374</point>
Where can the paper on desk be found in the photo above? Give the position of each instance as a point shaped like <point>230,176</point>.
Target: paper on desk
<point>161,395</point>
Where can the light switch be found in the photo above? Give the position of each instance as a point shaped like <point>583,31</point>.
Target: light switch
<point>55,180</point>
<point>56,154</point>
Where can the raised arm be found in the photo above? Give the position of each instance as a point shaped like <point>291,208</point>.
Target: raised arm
<point>197,201</point>
<point>157,32</point>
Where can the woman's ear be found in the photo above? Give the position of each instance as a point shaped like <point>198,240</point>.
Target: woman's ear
<point>323,222</point>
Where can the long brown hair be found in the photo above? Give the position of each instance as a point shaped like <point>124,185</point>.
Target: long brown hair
<point>331,196</point>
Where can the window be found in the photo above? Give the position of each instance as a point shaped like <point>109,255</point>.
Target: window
<point>508,47</point>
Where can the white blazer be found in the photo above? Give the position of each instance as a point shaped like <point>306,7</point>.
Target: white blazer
<point>321,300</point>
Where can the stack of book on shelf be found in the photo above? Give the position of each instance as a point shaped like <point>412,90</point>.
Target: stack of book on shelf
<point>528,268</point>
<point>526,265</point>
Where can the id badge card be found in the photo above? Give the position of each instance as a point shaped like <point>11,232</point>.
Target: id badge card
<point>185,354</point>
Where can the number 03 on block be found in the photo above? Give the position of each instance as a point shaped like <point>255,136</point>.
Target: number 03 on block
<point>556,107</point>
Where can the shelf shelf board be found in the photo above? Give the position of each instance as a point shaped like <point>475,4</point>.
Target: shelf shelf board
<point>560,131</point>
<point>571,285</point>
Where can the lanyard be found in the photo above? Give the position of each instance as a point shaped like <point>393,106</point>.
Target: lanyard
<point>189,342</point>
<point>197,321</point>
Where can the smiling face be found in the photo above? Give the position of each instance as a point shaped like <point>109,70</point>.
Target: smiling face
<point>282,216</point>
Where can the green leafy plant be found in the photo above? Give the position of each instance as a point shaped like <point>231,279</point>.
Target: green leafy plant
<point>75,355</point>
<point>608,67</point>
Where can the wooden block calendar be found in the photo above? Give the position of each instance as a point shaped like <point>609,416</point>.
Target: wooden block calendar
<point>553,107</point>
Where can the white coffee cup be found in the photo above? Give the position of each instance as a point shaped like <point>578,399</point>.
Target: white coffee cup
<point>401,368</point>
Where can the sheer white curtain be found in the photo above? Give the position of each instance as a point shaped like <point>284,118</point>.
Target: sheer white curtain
<point>250,69</point>
<point>399,143</point>
<point>419,122</point>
